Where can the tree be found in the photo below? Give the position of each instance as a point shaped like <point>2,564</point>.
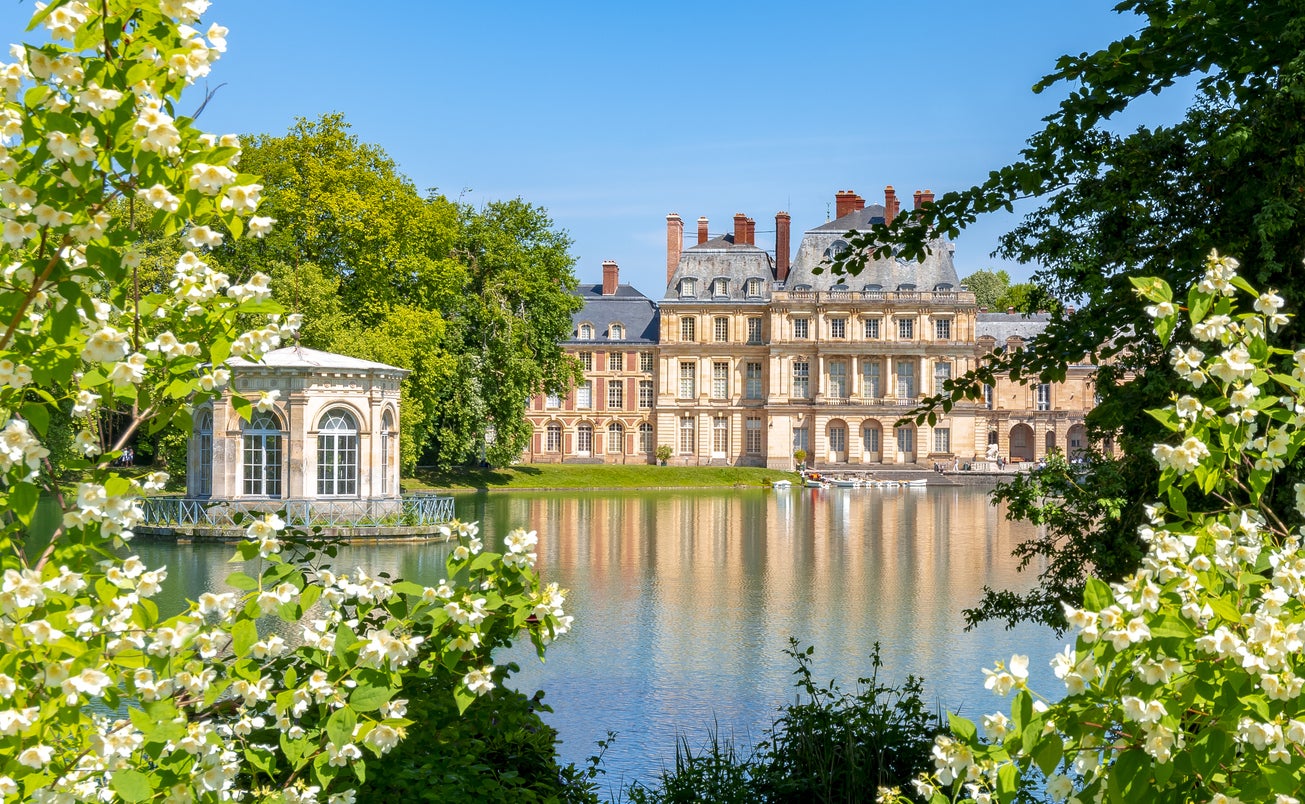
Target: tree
<point>1153,201</point>
<point>988,287</point>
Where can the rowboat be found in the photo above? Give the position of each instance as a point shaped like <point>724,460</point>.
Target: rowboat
<point>781,484</point>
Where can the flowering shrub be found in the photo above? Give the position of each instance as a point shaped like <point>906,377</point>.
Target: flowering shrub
<point>101,697</point>
<point>1185,680</point>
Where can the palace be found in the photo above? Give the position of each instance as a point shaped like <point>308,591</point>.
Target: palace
<point>749,357</point>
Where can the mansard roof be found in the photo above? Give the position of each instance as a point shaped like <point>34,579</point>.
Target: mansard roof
<point>300,357</point>
<point>628,307</point>
<point>1003,326</point>
<point>893,273</point>
<point>722,258</point>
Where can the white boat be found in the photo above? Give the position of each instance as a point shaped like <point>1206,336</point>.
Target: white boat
<point>781,484</point>
<point>813,483</point>
<point>917,484</point>
<point>842,483</point>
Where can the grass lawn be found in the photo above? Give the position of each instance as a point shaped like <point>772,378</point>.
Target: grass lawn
<point>591,476</point>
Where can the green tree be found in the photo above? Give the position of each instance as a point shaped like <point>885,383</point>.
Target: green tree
<point>988,286</point>
<point>1152,201</point>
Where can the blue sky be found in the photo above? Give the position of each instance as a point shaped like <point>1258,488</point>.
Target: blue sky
<point>610,115</point>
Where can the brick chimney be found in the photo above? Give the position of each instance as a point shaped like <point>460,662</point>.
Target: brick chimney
<point>858,203</point>
<point>740,228</point>
<point>702,230</point>
<point>611,277</point>
<point>926,197</point>
<point>752,232</point>
<point>890,204</point>
<point>782,221</point>
<point>919,194</point>
<point>674,242</point>
<point>843,201</point>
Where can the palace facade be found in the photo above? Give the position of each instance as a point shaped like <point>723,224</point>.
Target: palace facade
<point>749,357</point>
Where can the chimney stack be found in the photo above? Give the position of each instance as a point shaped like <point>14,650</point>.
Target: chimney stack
<point>702,230</point>
<point>740,228</point>
<point>926,197</point>
<point>782,221</point>
<point>843,201</point>
<point>752,232</point>
<point>858,203</point>
<point>611,277</point>
<point>919,194</point>
<point>674,242</point>
<point>890,204</point>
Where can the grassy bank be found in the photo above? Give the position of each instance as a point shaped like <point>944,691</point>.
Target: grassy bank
<point>591,476</point>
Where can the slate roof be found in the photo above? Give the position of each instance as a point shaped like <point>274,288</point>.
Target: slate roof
<point>889,274</point>
<point>628,307</point>
<point>302,357</point>
<point>1002,326</point>
<point>721,257</point>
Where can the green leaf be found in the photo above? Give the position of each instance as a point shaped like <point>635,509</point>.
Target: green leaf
<point>132,785</point>
<point>38,416</point>
<point>1198,304</point>
<point>240,580</point>
<point>243,636</point>
<point>962,728</point>
<point>23,498</point>
<point>369,697</point>
<point>1152,288</point>
<point>339,728</point>
<point>244,408</point>
<point>1128,776</point>
<point>1097,595</point>
<point>463,697</point>
<point>1048,753</point>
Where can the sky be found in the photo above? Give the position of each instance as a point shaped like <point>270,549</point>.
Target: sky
<point>611,115</point>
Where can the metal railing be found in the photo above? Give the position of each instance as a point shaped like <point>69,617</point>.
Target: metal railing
<point>407,511</point>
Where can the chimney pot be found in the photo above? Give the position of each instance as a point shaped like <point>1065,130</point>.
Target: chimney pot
<point>919,195</point>
<point>890,204</point>
<point>674,243</point>
<point>702,229</point>
<point>843,202</point>
<point>740,228</point>
<point>926,197</point>
<point>611,277</point>
<point>752,232</point>
<point>782,222</point>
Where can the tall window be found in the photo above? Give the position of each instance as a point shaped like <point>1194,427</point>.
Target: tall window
<point>337,454</point>
<point>720,287</point>
<point>688,287</point>
<point>203,454</point>
<point>838,378</point>
<point>801,328</point>
<point>616,332</point>
<point>688,329</point>
<point>721,329</point>
<point>752,435</point>
<point>616,361</point>
<point>872,389</point>
<point>584,439</point>
<point>906,439</point>
<point>645,394</point>
<point>754,330</point>
<point>837,439</point>
<point>720,436</point>
<point>584,395</point>
<point>872,329</point>
<point>753,288</point>
<point>942,329</point>
<point>942,372</point>
<point>688,438</point>
<point>905,329</point>
<point>646,362</point>
<point>261,445</point>
<point>645,437</point>
<point>801,440</point>
<point>387,448</point>
<point>942,439</point>
<point>615,395</point>
<point>552,402</point>
<point>688,380</point>
<point>752,386</point>
<point>615,439</point>
<point>838,327</point>
<point>987,395</point>
<point>905,380</point>
<point>801,379</point>
<point>553,437</point>
<point>1044,396</point>
<point>870,439</point>
<point>587,361</point>
<point>720,380</point>
<point>586,332</point>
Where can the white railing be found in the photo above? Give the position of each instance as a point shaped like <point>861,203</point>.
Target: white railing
<point>912,296</point>
<point>410,510</point>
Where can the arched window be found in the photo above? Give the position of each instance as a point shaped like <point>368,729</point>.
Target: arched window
<point>553,437</point>
<point>261,447</point>
<point>203,453</point>
<point>387,436</point>
<point>646,438</point>
<point>584,439</point>
<point>616,332</point>
<point>337,454</point>
<point>615,439</point>
<point>585,332</point>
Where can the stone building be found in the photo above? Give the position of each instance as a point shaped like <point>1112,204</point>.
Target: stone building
<point>331,435</point>
<point>753,357</point>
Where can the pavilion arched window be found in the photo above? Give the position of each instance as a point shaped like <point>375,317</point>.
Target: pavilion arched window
<point>261,447</point>
<point>203,452</point>
<point>337,454</point>
<point>387,448</point>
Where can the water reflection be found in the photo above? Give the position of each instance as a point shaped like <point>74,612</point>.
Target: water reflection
<point>685,601</point>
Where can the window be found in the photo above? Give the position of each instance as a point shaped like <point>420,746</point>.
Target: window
<point>721,329</point>
<point>871,388</point>
<point>942,372</point>
<point>753,288</point>
<point>906,380</point>
<point>837,439</point>
<point>615,439</point>
<point>688,380</point>
<point>586,332</point>
<point>905,329</point>
<point>801,440</point>
<point>645,437</point>
<point>615,395</point>
<point>838,327</point>
<point>942,439</point>
<point>754,330</point>
<point>387,440</point>
<point>688,437</point>
<point>584,394</point>
<point>553,437</point>
<point>838,379</point>
<point>905,439</point>
<point>586,361</point>
<point>645,394</point>
<point>688,287</point>
<point>261,443</point>
<point>720,287</point>
<point>872,329</point>
<point>720,380</point>
<point>616,332</point>
<point>646,362</point>
<point>552,402</point>
<point>616,361</point>
<point>870,439</point>
<point>801,328</point>
<point>688,329</point>
<point>203,486</point>
<point>720,437</point>
<point>942,329</point>
<point>752,386</point>
<point>752,435</point>
<point>584,439</point>
<point>1044,396</point>
<point>987,395</point>
<point>801,379</point>
<point>337,454</point>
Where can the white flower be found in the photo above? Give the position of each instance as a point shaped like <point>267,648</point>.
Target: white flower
<point>38,756</point>
<point>479,681</point>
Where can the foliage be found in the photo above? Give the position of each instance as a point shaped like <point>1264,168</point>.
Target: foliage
<point>1185,681</point>
<point>800,455</point>
<point>988,287</point>
<point>593,476</point>
<point>499,750</point>
<point>715,772</point>
<point>103,696</point>
<point>664,452</point>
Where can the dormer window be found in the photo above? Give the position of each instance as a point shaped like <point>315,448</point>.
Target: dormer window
<point>585,332</point>
<point>753,288</point>
<point>616,332</point>
<point>720,287</point>
<point>836,249</point>
<point>688,288</point>
<point>839,288</point>
<point>802,288</point>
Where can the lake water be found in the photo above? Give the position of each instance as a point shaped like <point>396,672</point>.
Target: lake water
<point>685,600</point>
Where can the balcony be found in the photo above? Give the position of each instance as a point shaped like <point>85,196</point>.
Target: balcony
<point>916,297</point>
